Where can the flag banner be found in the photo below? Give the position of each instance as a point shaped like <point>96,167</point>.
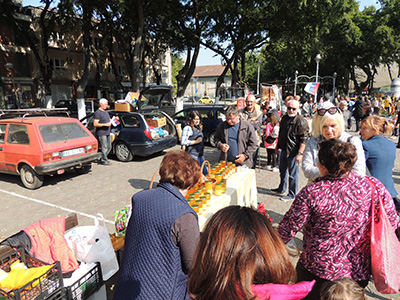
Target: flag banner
<point>312,87</point>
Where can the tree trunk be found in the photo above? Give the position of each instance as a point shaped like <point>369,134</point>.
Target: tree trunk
<point>83,81</point>
<point>390,72</point>
<point>38,47</point>
<point>186,73</point>
<point>138,48</point>
<point>243,66</point>
<point>157,75</point>
<point>221,78</point>
<point>235,72</point>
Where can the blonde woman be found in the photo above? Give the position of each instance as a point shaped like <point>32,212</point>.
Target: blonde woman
<point>328,123</point>
<point>380,153</point>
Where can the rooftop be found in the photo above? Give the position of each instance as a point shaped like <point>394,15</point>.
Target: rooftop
<point>209,71</point>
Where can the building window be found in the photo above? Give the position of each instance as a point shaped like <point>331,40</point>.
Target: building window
<point>22,62</point>
<point>121,70</point>
<point>164,74</point>
<point>57,64</point>
<point>19,39</point>
<point>110,69</point>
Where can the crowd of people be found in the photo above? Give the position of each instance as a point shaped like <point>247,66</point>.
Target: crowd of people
<point>240,255</point>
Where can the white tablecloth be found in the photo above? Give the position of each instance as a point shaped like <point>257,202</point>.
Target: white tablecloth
<point>241,190</point>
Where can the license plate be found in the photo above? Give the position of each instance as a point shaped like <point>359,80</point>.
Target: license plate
<point>72,152</point>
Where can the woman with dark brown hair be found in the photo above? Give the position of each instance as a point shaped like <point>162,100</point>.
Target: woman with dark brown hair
<point>240,256</point>
<point>335,214</point>
<point>162,235</point>
<point>193,138</point>
<point>271,140</point>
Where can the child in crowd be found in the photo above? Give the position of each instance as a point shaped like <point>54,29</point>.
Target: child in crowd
<point>271,139</point>
<point>343,288</point>
<point>240,256</point>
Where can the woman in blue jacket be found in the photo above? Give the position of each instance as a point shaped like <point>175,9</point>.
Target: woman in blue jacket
<point>380,153</point>
<point>162,235</point>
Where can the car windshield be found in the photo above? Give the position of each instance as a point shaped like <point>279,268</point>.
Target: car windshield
<point>62,132</point>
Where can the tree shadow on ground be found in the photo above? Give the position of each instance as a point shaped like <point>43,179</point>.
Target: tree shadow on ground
<point>141,184</point>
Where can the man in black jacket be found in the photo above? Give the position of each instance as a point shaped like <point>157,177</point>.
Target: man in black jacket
<point>293,135</point>
<point>358,111</point>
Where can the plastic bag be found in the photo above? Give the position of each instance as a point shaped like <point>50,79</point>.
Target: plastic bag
<point>20,275</point>
<point>385,251</point>
<point>92,244</point>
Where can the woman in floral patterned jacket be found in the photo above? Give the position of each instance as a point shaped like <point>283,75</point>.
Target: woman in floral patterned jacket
<point>335,214</point>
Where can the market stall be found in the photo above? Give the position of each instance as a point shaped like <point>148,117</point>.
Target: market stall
<point>241,190</point>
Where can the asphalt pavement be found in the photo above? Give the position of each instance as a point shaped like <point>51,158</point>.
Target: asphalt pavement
<point>109,188</point>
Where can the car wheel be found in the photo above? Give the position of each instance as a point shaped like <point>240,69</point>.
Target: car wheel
<point>211,139</point>
<point>122,152</point>
<point>200,101</point>
<point>84,169</point>
<point>30,178</point>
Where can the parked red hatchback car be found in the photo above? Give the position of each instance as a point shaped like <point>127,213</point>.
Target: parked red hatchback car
<point>33,146</point>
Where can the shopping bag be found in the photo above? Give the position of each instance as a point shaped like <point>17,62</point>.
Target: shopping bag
<point>20,275</point>
<point>385,250</point>
<point>92,244</point>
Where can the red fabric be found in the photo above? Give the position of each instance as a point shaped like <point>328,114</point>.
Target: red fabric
<point>49,244</point>
<point>282,291</point>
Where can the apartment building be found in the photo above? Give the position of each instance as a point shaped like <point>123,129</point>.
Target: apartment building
<point>17,83</point>
<point>20,78</point>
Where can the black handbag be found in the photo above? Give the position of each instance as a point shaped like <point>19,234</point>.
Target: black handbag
<point>270,139</point>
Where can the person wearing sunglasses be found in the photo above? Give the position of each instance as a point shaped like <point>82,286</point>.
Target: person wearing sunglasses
<point>292,139</point>
<point>328,123</point>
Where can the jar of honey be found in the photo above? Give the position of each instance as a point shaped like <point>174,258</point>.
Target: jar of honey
<point>208,198</point>
<point>197,194</point>
<point>203,202</point>
<point>209,186</point>
<point>195,207</point>
<point>218,189</point>
<point>223,183</point>
<point>218,176</point>
<point>190,200</point>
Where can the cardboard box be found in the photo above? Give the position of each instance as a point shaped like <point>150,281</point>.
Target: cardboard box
<point>160,122</point>
<point>123,107</point>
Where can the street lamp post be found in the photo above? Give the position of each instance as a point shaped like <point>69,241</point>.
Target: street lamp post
<point>295,81</point>
<point>334,87</point>
<point>258,76</point>
<point>317,60</point>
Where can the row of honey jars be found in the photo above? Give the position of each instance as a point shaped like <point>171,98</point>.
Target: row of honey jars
<point>199,202</point>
